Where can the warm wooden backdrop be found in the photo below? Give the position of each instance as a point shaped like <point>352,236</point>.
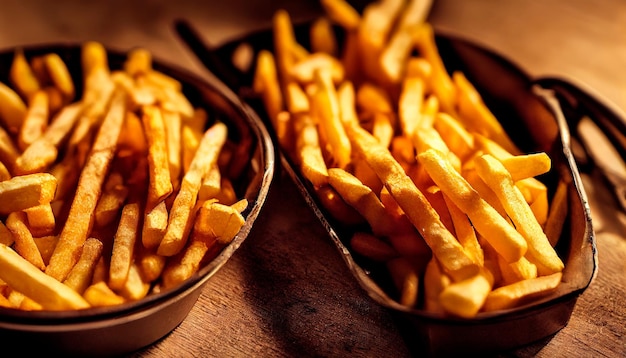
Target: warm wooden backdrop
<point>287,292</point>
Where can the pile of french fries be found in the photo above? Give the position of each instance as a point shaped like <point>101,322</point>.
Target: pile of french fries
<point>110,194</point>
<point>387,137</point>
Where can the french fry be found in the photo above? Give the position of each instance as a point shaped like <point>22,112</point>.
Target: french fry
<point>185,264</point>
<point>101,295</point>
<point>173,124</point>
<point>4,172</point>
<point>81,275</point>
<point>304,70</point>
<point>160,181</point>
<point>80,217</point>
<point>6,237</point>
<point>25,191</point>
<point>22,77</point>
<point>266,82</point>
<point>492,226</point>
<point>138,61</point>
<point>181,212</point>
<point>309,152</point>
<point>60,75</point>
<point>372,247</point>
<point>410,105</point>
<point>406,279</point>
<point>516,293</point>
<point>24,242</point>
<point>540,252</point>
<point>341,12</point>
<point>218,221</point>
<point>124,245</point>
<point>12,109</point>
<point>418,210</point>
<point>323,37</point>
<point>154,226</point>
<point>22,276</point>
<point>527,165</point>
<point>8,150</point>
<point>35,121</point>
<point>465,298</point>
<point>46,245</point>
<point>114,194</point>
<point>135,287</point>
<point>558,214</point>
<point>41,220</point>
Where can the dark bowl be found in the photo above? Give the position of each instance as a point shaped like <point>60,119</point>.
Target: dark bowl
<point>127,327</point>
<point>532,115</point>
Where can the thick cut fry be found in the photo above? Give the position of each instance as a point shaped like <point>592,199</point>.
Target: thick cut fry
<point>323,37</point>
<point>35,121</point>
<point>218,221</point>
<point>25,191</point>
<point>22,77</point>
<point>517,293</point>
<point>410,105</point>
<point>412,201</point>
<point>113,196</point>
<point>45,245</point>
<point>173,124</point>
<point>341,12</point>
<point>211,184</point>
<point>80,217</point>
<point>23,277</point>
<point>101,295</point>
<point>8,150</point>
<point>527,165</point>
<point>160,181</point>
<point>12,109</point>
<point>540,252</point>
<point>81,275</point>
<point>41,220</point>
<point>4,172</point>
<point>6,237</point>
<point>93,57</point>
<point>44,150</point>
<point>60,75</point>
<point>185,264</point>
<point>150,264</point>
<point>465,298</point>
<point>521,269</point>
<point>24,242</point>
<point>154,226</point>
<point>492,226</point>
<point>329,118</point>
<point>124,245</point>
<point>138,61</point>
<point>435,281</point>
<point>135,288</point>
<point>178,226</point>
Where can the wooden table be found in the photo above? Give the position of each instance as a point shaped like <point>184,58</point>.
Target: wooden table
<point>286,292</point>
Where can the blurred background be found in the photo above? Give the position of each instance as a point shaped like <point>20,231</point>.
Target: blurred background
<point>571,38</point>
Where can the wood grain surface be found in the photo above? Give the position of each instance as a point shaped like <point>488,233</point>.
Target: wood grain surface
<point>287,292</point>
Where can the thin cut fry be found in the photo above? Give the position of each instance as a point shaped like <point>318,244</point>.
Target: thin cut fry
<point>24,242</point>
<point>124,245</point>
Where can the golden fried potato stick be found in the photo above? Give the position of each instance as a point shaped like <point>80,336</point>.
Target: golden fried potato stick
<point>135,288</point>
<point>4,172</point>
<point>173,128</point>
<point>22,276</point>
<point>160,181</point>
<point>435,281</point>
<point>93,57</point>
<point>154,226</point>
<point>413,202</point>
<point>41,220</point>
<point>8,150</point>
<point>337,207</point>
<point>6,237</point>
<point>266,83</point>
<point>521,269</point>
<point>44,150</point>
<point>492,226</point>
<point>371,98</point>
<point>190,141</point>
<point>439,81</point>
<point>186,263</point>
<point>516,293</point>
<point>111,200</point>
<point>464,232</point>
<point>12,109</point>
<point>150,264</point>
<point>457,138</point>
<point>540,252</point>
<point>527,165</point>
<point>22,77</point>
<point>363,200</point>
<point>101,295</point>
<point>80,217</point>
<point>327,112</point>
<point>558,214</point>
<point>323,37</point>
<point>465,298</point>
<point>476,116</point>
<point>138,61</point>
<point>25,191</point>
<point>180,216</point>
<point>342,13</point>
<point>410,105</point>
<point>309,154</point>
<point>284,41</point>
<point>303,71</point>
<point>393,58</point>
<point>124,245</point>
<point>377,21</point>
<point>372,247</point>
<point>24,242</point>
<point>46,245</point>
<point>211,184</point>
<point>81,275</point>
<point>35,121</point>
<point>218,221</point>
<point>60,75</point>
